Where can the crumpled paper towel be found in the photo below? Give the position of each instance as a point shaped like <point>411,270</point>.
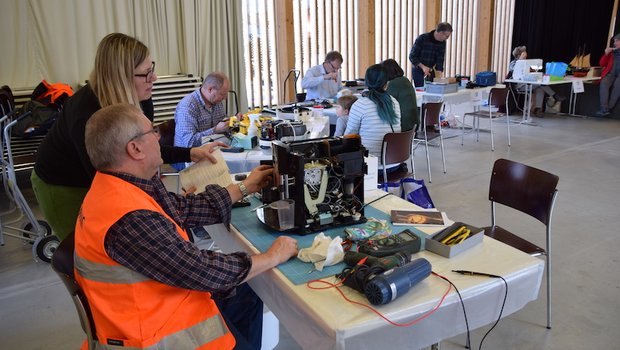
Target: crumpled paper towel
<point>325,251</point>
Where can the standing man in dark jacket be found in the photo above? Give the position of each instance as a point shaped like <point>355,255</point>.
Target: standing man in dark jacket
<point>428,53</point>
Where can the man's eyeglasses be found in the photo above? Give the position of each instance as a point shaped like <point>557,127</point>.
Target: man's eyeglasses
<point>333,67</point>
<point>155,132</point>
<point>148,76</point>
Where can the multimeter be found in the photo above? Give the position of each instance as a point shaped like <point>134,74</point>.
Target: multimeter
<point>405,241</point>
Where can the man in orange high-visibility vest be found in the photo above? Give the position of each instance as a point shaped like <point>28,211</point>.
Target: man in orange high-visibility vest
<point>148,286</point>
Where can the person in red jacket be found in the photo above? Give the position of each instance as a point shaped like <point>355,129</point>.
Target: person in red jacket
<point>610,78</point>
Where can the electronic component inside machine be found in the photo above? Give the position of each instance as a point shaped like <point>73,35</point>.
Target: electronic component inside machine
<point>325,180</point>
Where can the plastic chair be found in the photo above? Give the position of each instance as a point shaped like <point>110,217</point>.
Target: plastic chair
<point>62,263</point>
<point>498,99</point>
<point>431,130</point>
<point>396,148</point>
<point>166,133</point>
<point>531,191</point>
<point>7,101</point>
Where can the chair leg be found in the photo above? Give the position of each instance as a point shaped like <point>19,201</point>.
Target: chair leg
<point>428,159</point>
<point>443,158</point>
<point>548,291</point>
<point>413,147</point>
<point>508,127</point>
<point>463,130</point>
<point>477,125</point>
<point>491,128</point>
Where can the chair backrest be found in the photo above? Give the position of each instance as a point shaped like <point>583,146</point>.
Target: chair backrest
<point>396,147</point>
<point>431,112</point>
<point>527,189</point>
<point>7,101</point>
<point>166,131</point>
<point>498,97</point>
<point>62,263</point>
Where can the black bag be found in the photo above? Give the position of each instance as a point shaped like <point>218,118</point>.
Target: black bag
<point>37,119</point>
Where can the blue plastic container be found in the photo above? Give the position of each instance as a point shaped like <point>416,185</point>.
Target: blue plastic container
<point>556,70</point>
<point>486,79</point>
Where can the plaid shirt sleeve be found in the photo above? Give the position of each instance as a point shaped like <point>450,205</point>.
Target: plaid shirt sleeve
<point>441,56</point>
<point>414,54</point>
<point>147,242</point>
<point>209,207</point>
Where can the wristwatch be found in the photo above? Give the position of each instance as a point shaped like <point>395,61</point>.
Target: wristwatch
<point>243,189</point>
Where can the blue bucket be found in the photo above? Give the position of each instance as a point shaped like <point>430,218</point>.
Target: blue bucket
<point>556,70</point>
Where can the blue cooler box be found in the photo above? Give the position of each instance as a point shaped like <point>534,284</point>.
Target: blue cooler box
<point>486,78</point>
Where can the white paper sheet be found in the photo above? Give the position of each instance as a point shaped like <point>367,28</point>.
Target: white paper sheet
<point>206,173</point>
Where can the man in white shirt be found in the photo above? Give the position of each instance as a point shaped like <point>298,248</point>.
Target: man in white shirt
<point>324,81</point>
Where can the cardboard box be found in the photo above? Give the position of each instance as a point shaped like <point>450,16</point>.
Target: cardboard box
<point>445,80</point>
<point>448,251</point>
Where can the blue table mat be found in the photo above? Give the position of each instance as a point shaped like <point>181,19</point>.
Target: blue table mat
<point>299,272</point>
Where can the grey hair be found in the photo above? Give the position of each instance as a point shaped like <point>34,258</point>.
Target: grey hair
<point>215,80</point>
<point>616,37</point>
<point>107,133</point>
<point>518,51</point>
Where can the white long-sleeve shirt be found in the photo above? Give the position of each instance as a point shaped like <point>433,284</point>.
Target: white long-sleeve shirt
<point>317,87</point>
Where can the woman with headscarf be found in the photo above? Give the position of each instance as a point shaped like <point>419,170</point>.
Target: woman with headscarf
<point>376,113</point>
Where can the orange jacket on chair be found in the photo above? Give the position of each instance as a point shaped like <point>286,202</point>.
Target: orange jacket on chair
<point>129,309</point>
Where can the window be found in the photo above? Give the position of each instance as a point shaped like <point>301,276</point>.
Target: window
<point>397,24</point>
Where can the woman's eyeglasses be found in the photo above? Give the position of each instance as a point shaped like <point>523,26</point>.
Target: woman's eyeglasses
<point>148,76</point>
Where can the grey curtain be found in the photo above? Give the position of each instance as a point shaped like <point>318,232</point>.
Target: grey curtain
<point>56,39</point>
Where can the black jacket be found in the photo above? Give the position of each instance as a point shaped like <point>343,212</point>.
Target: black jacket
<point>62,158</point>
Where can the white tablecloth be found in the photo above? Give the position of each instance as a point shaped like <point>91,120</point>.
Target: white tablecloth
<point>324,320</point>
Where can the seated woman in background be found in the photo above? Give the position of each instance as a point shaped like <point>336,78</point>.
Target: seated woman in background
<point>376,113</point>
<point>402,90</point>
<point>520,53</point>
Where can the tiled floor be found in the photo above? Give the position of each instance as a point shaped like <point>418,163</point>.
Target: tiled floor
<point>36,312</point>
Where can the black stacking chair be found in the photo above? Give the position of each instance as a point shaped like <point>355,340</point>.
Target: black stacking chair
<point>531,191</point>
<point>62,263</point>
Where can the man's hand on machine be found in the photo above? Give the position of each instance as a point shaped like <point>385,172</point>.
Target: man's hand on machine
<point>258,178</point>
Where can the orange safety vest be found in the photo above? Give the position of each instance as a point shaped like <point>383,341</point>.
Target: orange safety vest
<point>129,309</point>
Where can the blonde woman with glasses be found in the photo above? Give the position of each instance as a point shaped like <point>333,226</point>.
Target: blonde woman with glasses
<point>124,72</point>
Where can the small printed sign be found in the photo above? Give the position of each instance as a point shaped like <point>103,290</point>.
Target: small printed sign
<point>578,86</point>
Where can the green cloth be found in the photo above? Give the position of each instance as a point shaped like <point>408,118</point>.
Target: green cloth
<point>403,91</point>
<point>60,204</point>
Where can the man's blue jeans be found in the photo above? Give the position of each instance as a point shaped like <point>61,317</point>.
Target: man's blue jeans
<point>243,314</point>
